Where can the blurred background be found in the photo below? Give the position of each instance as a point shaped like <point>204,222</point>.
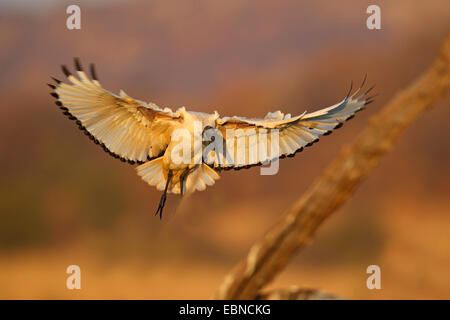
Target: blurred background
<point>64,201</point>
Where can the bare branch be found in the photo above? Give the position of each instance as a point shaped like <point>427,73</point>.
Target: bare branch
<point>270,255</point>
<point>297,293</point>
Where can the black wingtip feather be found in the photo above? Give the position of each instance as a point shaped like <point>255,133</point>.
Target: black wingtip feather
<point>349,91</point>
<point>368,90</point>
<point>65,71</point>
<point>56,80</point>
<point>93,72</point>
<point>364,81</point>
<point>77,64</point>
<point>51,86</point>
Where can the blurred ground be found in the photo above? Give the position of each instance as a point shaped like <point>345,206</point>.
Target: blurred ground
<point>64,201</point>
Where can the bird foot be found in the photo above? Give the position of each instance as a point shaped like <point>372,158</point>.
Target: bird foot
<point>162,202</point>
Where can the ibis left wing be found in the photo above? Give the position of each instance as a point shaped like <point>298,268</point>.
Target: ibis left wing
<point>249,142</point>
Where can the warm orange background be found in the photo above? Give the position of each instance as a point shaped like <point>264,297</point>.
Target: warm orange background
<point>64,201</point>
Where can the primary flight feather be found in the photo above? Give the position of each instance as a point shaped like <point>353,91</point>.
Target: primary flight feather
<point>141,132</point>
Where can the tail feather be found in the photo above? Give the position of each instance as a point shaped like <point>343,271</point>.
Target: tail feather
<point>154,174</point>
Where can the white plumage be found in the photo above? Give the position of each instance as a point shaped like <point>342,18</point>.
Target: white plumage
<point>141,132</point>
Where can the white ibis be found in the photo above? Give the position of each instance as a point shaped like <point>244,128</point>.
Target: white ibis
<point>183,151</point>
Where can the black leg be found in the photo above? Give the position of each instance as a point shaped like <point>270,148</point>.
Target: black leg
<point>162,201</point>
<point>182,181</point>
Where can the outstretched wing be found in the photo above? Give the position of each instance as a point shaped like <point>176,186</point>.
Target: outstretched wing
<point>127,128</point>
<point>249,142</point>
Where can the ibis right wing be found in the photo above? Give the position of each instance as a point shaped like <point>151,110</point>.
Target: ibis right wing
<point>127,128</point>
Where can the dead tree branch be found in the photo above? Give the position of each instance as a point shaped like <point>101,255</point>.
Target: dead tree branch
<point>270,255</point>
<point>296,293</point>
